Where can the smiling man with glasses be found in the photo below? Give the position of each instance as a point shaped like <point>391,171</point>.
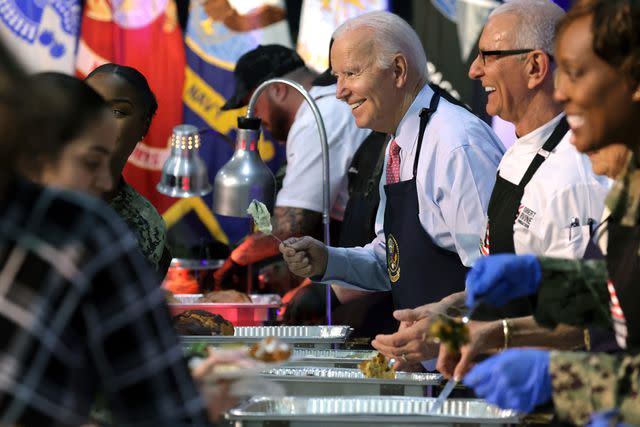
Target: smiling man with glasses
<point>546,197</point>
<point>482,54</point>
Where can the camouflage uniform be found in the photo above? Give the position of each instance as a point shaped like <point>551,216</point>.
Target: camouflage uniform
<point>144,220</point>
<point>575,292</point>
<point>584,383</point>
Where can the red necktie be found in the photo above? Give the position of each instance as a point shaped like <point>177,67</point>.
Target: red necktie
<point>393,165</point>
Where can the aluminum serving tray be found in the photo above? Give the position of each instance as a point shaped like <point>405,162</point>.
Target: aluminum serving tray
<point>262,308</point>
<point>263,299</point>
<point>358,410</point>
<point>329,358</point>
<point>298,336</point>
<point>319,381</point>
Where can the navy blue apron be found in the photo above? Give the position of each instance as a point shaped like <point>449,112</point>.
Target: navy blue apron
<point>504,208</point>
<point>370,314</point>
<point>623,264</point>
<point>602,340</point>
<point>420,271</point>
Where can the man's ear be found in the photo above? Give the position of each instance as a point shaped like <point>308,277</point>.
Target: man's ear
<point>400,70</point>
<point>538,67</point>
<point>279,92</point>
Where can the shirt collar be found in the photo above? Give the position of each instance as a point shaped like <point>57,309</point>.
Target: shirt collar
<point>322,91</point>
<point>316,93</point>
<point>421,101</point>
<point>536,138</point>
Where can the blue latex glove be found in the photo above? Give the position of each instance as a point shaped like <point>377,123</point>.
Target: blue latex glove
<point>606,419</point>
<point>514,379</point>
<point>497,279</point>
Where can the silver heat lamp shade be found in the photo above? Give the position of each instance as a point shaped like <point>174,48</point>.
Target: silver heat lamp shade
<point>245,176</point>
<point>184,174</point>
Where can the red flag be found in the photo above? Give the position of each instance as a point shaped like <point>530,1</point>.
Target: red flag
<point>143,34</point>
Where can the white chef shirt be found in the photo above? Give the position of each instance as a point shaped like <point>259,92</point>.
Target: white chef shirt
<point>302,185</point>
<point>456,173</point>
<point>559,201</point>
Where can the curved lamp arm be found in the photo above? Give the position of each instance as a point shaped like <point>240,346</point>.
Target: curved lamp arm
<point>325,156</point>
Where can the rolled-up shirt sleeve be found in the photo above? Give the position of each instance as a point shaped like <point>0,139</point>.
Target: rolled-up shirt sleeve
<point>464,183</point>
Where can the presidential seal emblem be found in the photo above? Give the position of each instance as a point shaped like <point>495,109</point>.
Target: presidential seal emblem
<point>393,259</point>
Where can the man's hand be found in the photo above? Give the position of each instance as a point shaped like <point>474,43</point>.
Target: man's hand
<point>409,345</point>
<point>305,256</point>
<point>514,379</point>
<point>483,337</point>
<point>497,279</point>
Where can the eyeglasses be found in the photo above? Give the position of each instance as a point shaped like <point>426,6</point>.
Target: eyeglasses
<point>484,53</point>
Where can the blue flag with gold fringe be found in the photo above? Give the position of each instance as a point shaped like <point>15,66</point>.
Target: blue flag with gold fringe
<point>215,38</point>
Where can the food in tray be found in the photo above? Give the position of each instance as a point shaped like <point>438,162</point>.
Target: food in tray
<point>270,349</point>
<point>451,332</point>
<point>200,322</point>
<point>169,297</point>
<point>227,296</point>
<point>377,367</point>
<point>261,216</point>
<point>179,281</point>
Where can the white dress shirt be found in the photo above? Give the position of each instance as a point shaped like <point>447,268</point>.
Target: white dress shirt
<point>456,173</point>
<point>302,185</point>
<point>562,198</point>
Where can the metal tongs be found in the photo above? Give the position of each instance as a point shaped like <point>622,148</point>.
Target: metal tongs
<point>451,383</point>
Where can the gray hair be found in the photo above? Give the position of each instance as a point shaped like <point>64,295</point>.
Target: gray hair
<point>391,35</point>
<point>537,20</point>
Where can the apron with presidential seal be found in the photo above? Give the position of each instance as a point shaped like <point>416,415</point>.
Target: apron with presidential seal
<point>420,271</point>
<point>504,210</point>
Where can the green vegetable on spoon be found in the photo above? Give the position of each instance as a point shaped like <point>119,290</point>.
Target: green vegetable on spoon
<point>261,218</point>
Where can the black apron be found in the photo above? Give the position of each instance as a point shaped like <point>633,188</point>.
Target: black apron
<point>624,271</point>
<point>504,209</point>
<point>358,224</point>
<point>420,271</point>
<point>370,314</point>
<point>602,339</point>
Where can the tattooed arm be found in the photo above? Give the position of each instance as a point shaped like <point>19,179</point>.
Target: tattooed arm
<point>287,222</point>
<point>295,222</point>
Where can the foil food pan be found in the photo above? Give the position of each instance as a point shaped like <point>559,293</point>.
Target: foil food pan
<point>352,376</point>
<point>262,308</point>
<point>314,354</point>
<point>329,357</point>
<point>358,410</point>
<point>311,335</point>
<point>261,299</point>
<point>196,264</point>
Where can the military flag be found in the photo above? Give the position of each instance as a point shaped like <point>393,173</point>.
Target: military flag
<point>41,33</point>
<point>143,34</point>
<point>218,33</point>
